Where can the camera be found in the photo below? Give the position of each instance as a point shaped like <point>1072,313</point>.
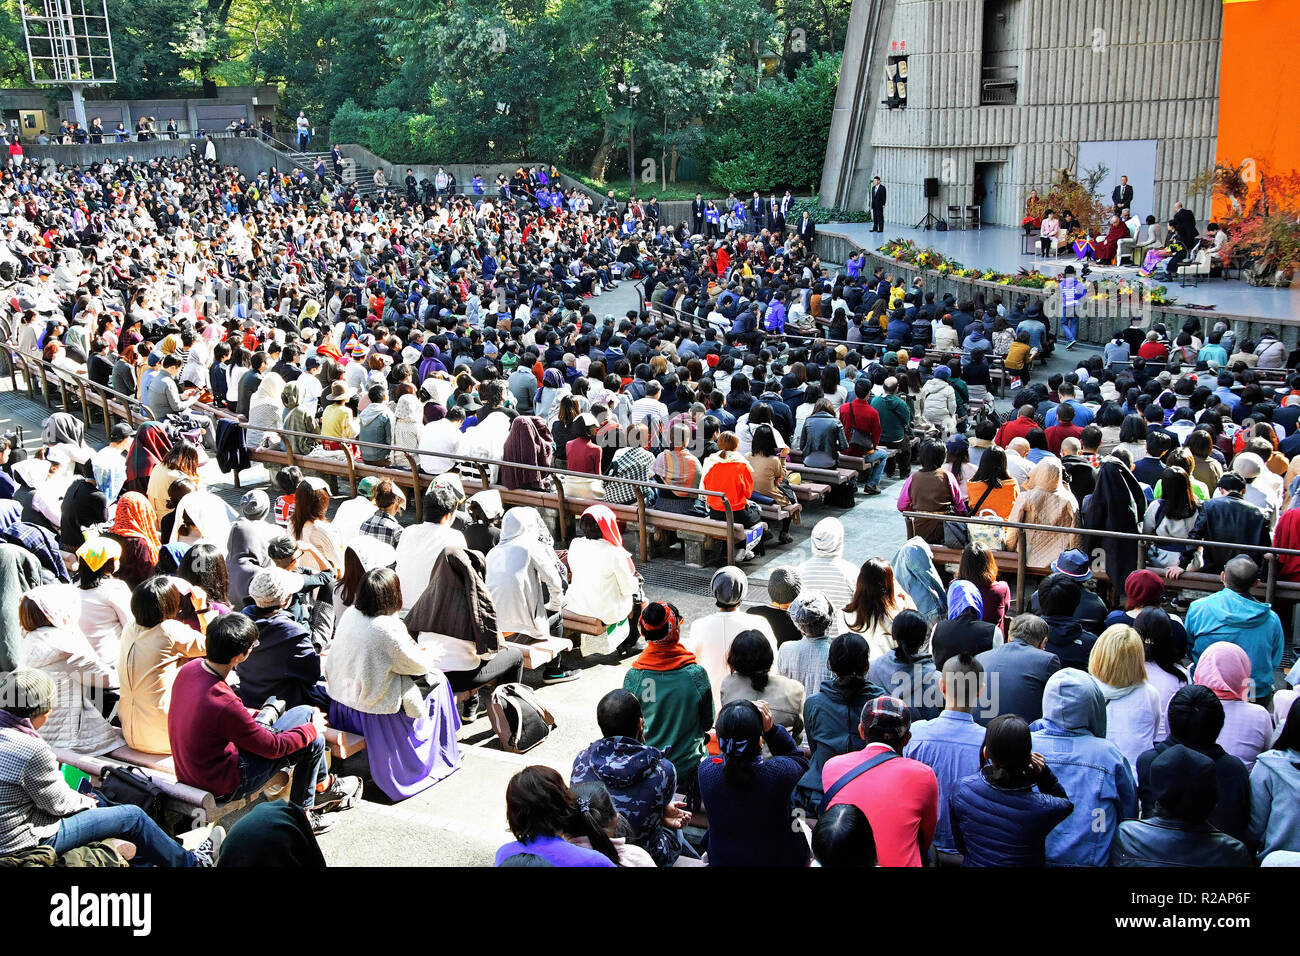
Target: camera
<point>271,711</point>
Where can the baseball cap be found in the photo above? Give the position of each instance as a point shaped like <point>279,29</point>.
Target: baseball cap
<point>884,711</point>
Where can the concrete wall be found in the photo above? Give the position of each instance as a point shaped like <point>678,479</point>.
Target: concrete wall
<point>251,155</point>
<point>1119,70</point>
<point>1096,329</point>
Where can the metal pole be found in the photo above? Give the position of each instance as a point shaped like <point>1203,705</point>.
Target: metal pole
<point>631,148</point>
<point>79,105</point>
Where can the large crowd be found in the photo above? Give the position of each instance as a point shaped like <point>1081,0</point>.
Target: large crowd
<point>869,712</point>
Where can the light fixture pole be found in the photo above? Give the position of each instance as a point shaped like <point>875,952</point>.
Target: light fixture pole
<point>631,92</point>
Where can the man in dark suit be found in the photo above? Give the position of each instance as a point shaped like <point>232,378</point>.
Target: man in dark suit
<point>756,207</point>
<point>775,218</point>
<point>807,229</point>
<point>1122,197</point>
<point>697,215</point>
<point>877,205</point>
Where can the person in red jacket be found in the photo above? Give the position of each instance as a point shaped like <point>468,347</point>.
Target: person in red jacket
<point>1019,427</point>
<point>861,420</point>
<point>218,745</point>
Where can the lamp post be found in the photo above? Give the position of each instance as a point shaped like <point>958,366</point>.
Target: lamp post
<point>631,92</point>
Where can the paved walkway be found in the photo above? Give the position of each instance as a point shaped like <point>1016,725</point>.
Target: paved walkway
<point>461,821</point>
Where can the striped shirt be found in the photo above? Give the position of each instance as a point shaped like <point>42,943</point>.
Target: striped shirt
<point>677,466</point>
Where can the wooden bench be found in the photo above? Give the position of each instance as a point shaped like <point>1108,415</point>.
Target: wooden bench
<point>1197,581</point>
<point>192,806</point>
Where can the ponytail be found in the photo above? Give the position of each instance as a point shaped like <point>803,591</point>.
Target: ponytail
<point>585,822</point>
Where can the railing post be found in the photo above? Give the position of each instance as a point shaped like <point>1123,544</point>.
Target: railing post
<point>1142,555</point>
<point>731,530</point>
<point>415,485</point>
<point>1270,585</point>
<point>1022,565</point>
<point>643,547</point>
<point>562,512</point>
<point>352,467</point>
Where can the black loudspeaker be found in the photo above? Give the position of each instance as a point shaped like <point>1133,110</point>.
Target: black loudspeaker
<point>931,187</point>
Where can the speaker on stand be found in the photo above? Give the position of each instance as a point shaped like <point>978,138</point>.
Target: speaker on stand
<point>929,220</point>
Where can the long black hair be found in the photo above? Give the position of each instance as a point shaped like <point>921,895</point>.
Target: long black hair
<point>539,804</point>
<point>740,736</point>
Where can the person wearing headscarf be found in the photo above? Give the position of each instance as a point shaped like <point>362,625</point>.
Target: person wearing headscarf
<point>676,699</point>
<point>1046,501</point>
<point>64,429</point>
<point>265,412</point>
<point>406,429</point>
<point>299,418</point>
<point>53,643</point>
<point>201,516</point>
<point>1185,791</point>
<point>246,545</point>
<point>964,632</point>
<point>1264,489</point>
<point>552,388</point>
<point>827,571</point>
<point>149,448</point>
<point>431,362</point>
<point>1071,736</point>
<point>272,835</point>
<point>524,575</point>
<point>135,528</point>
<point>917,577</point>
<point>603,579</point>
<point>528,443</point>
<point>1117,503</point>
<point>20,572</point>
<point>1247,728</point>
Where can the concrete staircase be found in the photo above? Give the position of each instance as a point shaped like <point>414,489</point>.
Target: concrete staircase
<point>363,176</point>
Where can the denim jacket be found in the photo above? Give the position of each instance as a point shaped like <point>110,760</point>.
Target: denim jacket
<point>1072,737</point>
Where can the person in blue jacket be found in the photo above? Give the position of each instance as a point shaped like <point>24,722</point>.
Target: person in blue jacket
<point>1002,815</point>
<point>1071,736</point>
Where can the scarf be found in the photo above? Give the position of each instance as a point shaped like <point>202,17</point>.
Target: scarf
<point>1225,669</point>
<point>663,651</point>
<point>135,518</point>
<point>147,451</point>
<point>22,724</point>
<point>607,523</point>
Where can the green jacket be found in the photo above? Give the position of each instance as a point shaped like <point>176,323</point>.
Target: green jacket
<point>678,709</point>
<point>895,418</point>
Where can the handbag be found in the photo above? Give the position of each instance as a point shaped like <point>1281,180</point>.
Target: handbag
<point>857,437</point>
<point>991,536</point>
<point>131,787</point>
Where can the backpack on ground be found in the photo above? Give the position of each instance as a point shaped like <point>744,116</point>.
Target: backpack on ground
<point>519,718</point>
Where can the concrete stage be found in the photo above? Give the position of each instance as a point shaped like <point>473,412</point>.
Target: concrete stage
<point>1000,248</point>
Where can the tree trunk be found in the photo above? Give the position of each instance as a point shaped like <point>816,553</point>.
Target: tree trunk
<point>600,162</point>
<point>672,166</point>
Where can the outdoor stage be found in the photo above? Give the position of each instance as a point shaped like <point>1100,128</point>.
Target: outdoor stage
<point>1001,248</point>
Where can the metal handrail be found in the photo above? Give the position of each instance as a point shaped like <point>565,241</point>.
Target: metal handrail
<point>1270,552</point>
<point>14,357</point>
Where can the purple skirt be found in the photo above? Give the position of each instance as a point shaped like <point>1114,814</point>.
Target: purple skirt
<point>407,754</point>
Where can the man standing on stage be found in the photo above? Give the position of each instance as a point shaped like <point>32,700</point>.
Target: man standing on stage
<point>877,205</point>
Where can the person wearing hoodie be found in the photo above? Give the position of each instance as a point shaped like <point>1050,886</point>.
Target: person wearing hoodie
<point>1071,736</point>
<point>1247,728</point>
<point>917,577</point>
<point>640,779</point>
<point>1232,615</point>
<point>1195,720</point>
<point>1275,793</point>
<point>377,424</point>
<point>246,553</point>
<point>827,571</point>
<point>939,402</point>
<point>1178,833</point>
<point>830,716</point>
<point>284,662</point>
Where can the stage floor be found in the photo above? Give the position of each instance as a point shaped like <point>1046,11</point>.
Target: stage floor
<point>1000,248</point>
